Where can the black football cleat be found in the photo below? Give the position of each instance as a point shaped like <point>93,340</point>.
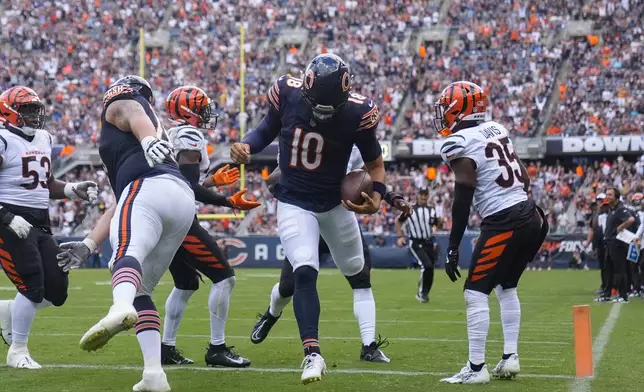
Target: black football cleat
<point>171,356</point>
<point>373,353</point>
<point>263,326</point>
<point>422,298</point>
<point>223,355</point>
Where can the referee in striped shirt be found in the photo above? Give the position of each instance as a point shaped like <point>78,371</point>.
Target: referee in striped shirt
<point>417,228</point>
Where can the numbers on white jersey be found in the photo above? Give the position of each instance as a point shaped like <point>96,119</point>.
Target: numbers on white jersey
<point>28,172</point>
<point>507,160</point>
<point>301,149</point>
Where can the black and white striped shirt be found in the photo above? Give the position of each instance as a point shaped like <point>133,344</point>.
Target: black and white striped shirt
<point>419,225</point>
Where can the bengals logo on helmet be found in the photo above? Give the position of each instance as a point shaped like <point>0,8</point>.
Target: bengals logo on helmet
<point>21,106</point>
<point>460,101</point>
<point>189,105</point>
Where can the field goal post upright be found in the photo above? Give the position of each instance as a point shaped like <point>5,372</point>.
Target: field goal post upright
<point>242,127</point>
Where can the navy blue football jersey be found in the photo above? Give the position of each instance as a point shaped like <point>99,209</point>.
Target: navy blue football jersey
<point>314,154</point>
<point>121,152</point>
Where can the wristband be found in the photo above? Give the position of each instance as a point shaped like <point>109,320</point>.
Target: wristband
<point>70,190</point>
<point>380,188</point>
<point>90,244</point>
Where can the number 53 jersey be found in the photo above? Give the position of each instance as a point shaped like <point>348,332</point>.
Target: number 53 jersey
<point>499,178</point>
<point>26,167</point>
<point>314,154</point>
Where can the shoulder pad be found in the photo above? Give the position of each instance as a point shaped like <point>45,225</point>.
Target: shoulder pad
<point>369,113</point>
<point>119,91</point>
<point>453,147</point>
<point>282,86</point>
<point>187,137</point>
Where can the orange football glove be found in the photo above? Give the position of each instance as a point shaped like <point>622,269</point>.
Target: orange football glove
<point>237,201</point>
<point>225,176</point>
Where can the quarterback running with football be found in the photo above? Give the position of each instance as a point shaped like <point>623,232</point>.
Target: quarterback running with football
<point>364,305</point>
<point>489,175</point>
<point>27,248</point>
<point>317,121</point>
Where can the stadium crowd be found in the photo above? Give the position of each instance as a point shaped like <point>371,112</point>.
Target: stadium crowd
<point>565,192</point>
<point>604,93</point>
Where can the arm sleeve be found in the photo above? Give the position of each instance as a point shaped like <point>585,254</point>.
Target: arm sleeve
<point>463,196</point>
<point>204,195</point>
<point>265,133</point>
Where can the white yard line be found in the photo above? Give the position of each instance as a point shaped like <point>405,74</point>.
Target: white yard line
<point>279,370</point>
<point>391,338</point>
<point>584,384</point>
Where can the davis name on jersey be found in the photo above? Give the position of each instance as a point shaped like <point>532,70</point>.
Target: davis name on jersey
<point>26,167</point>
<point>498,173</point>
<point>189,138</point>
<point>314,154</point>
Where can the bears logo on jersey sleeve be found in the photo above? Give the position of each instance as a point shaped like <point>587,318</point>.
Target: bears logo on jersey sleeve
<point>370,114</point>
<point>453,147</point>
<point>187,138</point>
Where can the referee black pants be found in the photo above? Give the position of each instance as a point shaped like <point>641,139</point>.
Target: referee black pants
<point>425,255</point>
<point>616,268</point>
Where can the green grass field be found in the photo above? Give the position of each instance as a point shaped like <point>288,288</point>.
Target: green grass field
<point>428,341</point>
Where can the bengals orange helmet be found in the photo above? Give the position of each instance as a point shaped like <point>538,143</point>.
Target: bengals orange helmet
<point>460,101</point>
<point>21,107</point>
<point>190,105</point>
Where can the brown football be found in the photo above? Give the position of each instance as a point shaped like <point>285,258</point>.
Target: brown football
<point>353,184</point>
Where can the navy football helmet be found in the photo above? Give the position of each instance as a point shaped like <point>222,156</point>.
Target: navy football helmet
<point>326,86</point>
<point>138,84</point>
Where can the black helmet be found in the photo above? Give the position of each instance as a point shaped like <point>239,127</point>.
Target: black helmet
<point>326,86</point>
<point>138,84</point>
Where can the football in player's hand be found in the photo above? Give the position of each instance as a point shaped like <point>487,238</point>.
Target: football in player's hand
<point>354,184</point>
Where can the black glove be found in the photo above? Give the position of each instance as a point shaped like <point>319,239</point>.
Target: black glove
<point>451,264</point>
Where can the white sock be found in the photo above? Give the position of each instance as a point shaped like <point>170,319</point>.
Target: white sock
<point>278,303</point>
<point>218,303</point>
<point>364,308</point>
<point>478,323</point>
<point>510,318</point>
<point>150,342</point>
<point>23,312</point>
<point>175,305</point>
<point>44,304</point>
<point>124,293</point>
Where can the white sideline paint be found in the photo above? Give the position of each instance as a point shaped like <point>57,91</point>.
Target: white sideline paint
<point>278,370</point>
<point>584,384</point>
<point>393,338</point>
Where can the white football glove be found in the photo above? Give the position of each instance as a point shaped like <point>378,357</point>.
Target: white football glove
<point>15,223</point>
<point>74,254</point>
<point>86,190</point>
<point>155,150</point>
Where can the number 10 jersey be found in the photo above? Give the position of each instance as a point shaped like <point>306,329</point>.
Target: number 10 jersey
<point>499,178</point>
<point>26,167</point>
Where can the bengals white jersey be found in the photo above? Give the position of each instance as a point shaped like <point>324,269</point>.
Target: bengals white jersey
<point>189,138</point>
<point>26,167</point>
<point>498,173</point>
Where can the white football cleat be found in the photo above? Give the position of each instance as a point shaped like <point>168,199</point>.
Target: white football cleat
<point>118,319</point>
<point>314,367</point>
<point>19,358</point>
<point>507,369</point>
<point>153,381</point>
<point>5,321</point>
<point>469,376</point>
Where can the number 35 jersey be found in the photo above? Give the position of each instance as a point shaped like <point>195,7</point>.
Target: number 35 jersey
<point>26,167</point>
<point>498,173</point>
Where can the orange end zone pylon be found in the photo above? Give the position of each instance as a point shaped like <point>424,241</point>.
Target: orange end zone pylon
<point>583,341</point>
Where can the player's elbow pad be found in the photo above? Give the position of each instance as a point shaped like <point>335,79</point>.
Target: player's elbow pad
<point>191,172</point>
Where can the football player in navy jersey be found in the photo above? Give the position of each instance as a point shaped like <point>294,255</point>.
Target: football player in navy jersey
<point>146,230</point>
<point>317,121</point>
